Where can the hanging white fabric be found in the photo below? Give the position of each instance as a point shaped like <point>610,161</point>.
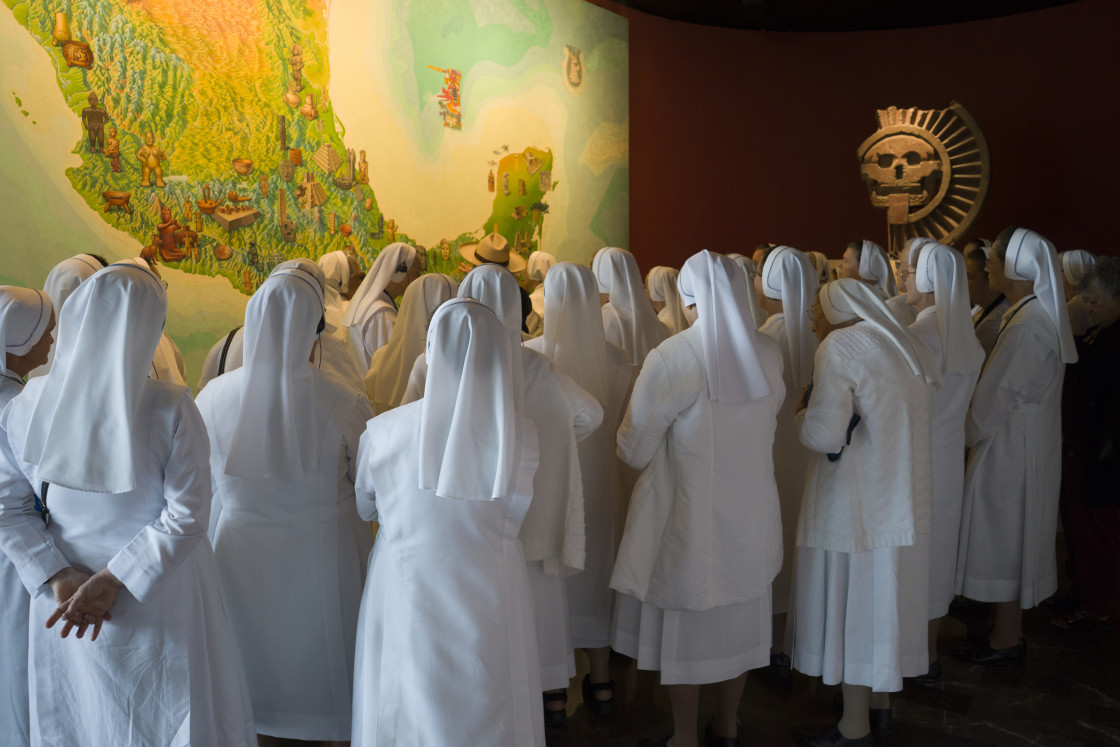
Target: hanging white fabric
<point>941,271</point>
<point>538,266</point>
<point>1075,264</point>
<point>496,288</point>
<point>468,422</point>
<point>750,269</point>
<point>1029,256</point>
<point>661,282</point>
<point>727,332</point>
<point>65,277</point>
<point>391,266</point>
<point>276,436</point>
<point>616,272</point>
<point>24,316</point>
<point>876,267</point>
<point>573,328</point>
<point>820,263</point>
<point>847,299</point>
<point>392,364</point>
<point>789,276</point>
<point>81,433</point>
<point>336,270</point>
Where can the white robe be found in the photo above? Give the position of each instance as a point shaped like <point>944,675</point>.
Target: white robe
<point>1009,521</point>
<point>901,310</point>
<point>294,551</point>
<point>374,332</point>
<point>167,363</point>
<point>950,408</point>
<point>447,652</point>
<point>703,536</point>
<point>987,325</point>
<point>15,728</point>
<point>791,463</point>
<point>861,595</point>
<point>166,669</point>
<point>589,594</point>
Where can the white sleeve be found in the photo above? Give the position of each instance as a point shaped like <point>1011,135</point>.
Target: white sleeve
<point>416,381</point>
<point>587,413</point>
<point>1019,371</point>
<point>650,413</point>
<point>823,425</point>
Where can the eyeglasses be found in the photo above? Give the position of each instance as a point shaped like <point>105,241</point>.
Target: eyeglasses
<point>992,261</point>
<point>904,272</point>
<point>810,313</point>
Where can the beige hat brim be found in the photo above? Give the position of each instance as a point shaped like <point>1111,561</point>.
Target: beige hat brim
<point>517,263</point>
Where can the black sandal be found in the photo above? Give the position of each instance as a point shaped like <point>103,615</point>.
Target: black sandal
<point>557,717</point>
<point>594,704</point>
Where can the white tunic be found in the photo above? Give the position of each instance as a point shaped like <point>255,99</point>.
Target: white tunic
<point>14,725</point>
<point>901,310</point>
<point>702,541</point>
<point>294,551</point>
<point>1010,514</point>
<point>166,668</point>
<point>950,408</point>
<point>987,321</point>
<point>446,648</point>
<point>791,463</point>
<point>374,332</point>
<point>589,593</point>
<point>167,363</point>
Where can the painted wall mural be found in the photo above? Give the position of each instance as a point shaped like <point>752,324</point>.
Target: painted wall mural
<point>220,138</point>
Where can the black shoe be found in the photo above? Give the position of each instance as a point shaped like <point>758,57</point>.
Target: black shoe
<point>711,740</point>
<point>558,717</point>
<point>983,653</point>
<point>880,719</point>
<point>932,677</point>
<point>834,739</point>
<point>593,704</point>
<point>781,668</point>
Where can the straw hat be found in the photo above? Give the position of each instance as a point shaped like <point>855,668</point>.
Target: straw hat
<point>494,250</point>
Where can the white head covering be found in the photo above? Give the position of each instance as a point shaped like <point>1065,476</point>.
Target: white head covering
<point>336,270</point>
<point>495,287</point>
<point>81,433</point>
<point>24,316</point>
<point>718,288</point>
<point>468,422</point>
<point>276,435</point>
<point>1075,264</point>
<point>820,263</point>
<point>750,270</point>
<point>539,265</point>
<point>985,246</point>
<point>65,277</point>
<point>392,363</point>
<point>1031,257</point>
<point>662,285</point>
<point>941,271</point>
<point>846,299</point>
<point>306,266</point>
<point>386,269</point>
<point>616,272</point>
<point>874,266</point>
<point>573,328</point>
<point>789,277</point>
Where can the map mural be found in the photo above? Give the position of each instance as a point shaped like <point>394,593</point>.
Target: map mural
<point>220,138</point>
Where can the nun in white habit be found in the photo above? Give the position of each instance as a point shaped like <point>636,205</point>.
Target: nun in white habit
<point>703,537</point>
<point>167,361</point>
<point>26,322</point>
<point>751,270</point>
<point>661,286</point>
<point>536,270</point>
<point>984,293</point>
<point>342,277</point>
<point>447,653</point>
<point>553,533</point>
<point>392,364</point>
<point>573,339</point>
<point>125,550</point>
<point>63,279</point>
<point>288,540</point>
<point>372,311</point>
<point>789,285</point>
<point>937,286</point>
<point>862,537</point>
<point>628,317</point>
<point>820,262</point>
<point>1074,266</point>
<point>1007,549</point>
<point>867,261</point>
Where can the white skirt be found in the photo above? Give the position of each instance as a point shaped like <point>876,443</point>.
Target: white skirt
<point>15,723</point>
<point>861,617</point>
<point>694,648</point>
<point>554,632</point>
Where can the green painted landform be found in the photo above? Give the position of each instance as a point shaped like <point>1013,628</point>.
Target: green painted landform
<point>208,79</point>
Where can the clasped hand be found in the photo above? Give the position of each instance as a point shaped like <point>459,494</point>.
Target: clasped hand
<point>83,600</point>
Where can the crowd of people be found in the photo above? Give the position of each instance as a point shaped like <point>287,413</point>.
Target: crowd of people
<point>395,525</point>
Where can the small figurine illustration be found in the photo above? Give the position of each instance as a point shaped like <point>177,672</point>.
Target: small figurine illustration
<point>521,187</point>
<point>363,169</point>
<point>112,149</point>
<point>94,118</point>
<point>544,181</point>
<point>150,157</point>
<point>490,181</point>
<point>296,63</point>
<point>391,231</point>
<point>308,109</point>
<point>283,126</point>
<point>291,98</point>
<point>505,184</point>
<point>573,70</point>
<point>168,230</point>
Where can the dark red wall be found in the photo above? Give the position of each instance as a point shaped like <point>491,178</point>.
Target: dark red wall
<point>739,137</point>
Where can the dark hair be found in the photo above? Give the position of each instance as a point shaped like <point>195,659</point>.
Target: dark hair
<point>104,262</point>
<point>1105,275</point>
<point>767,250</point>
<point>857,247</point>
<point>999,246</point>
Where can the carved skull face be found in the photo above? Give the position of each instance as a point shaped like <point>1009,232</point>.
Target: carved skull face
<point>901,164</point>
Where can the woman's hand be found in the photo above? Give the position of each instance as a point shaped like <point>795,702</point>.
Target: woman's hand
<point>89,605</point>
<point>65,583</point>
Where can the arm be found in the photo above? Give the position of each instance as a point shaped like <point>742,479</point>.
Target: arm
<point>162,545</point>
<point>823,425</point>
<point>363,476</point>
<point>650,413</point>
<point>587,413</point>
<point>416,380</point>
<point>352,432</point>
<point>1018,367</point>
